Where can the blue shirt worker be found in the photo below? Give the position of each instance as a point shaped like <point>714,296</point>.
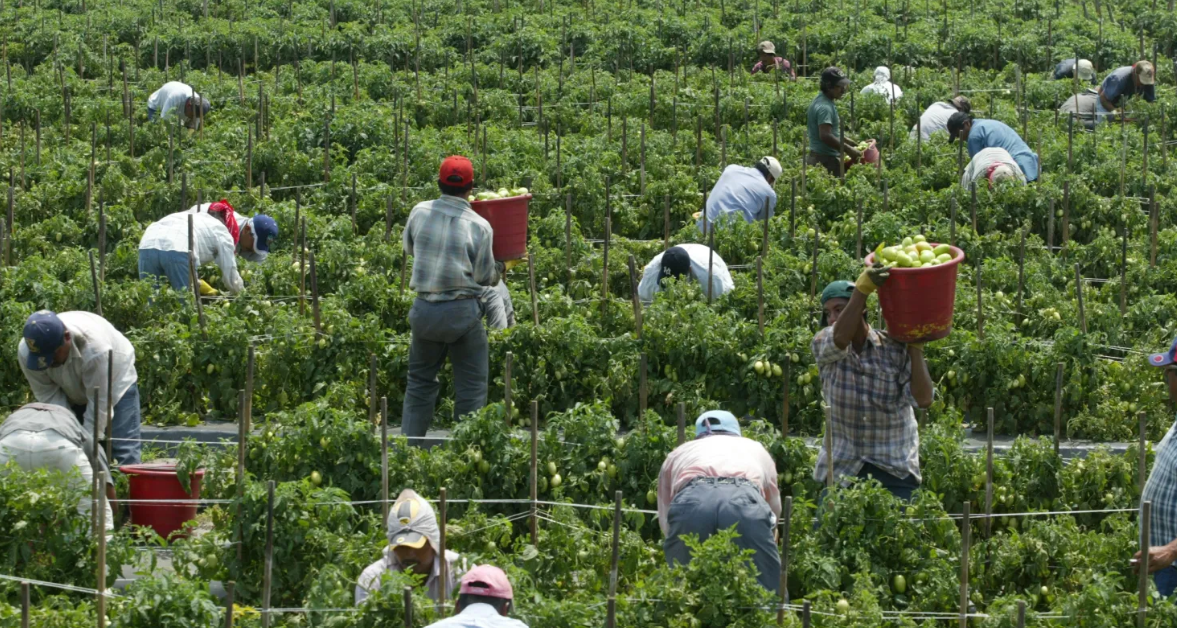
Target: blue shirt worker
<point>743,192</point>
<point>1067,68</point>
<point>982,134</point>
<point>65,357</point>
<point>1161,490</point>
<point>485,600</point>
<point>1131,80</point>
<point>871,382</point>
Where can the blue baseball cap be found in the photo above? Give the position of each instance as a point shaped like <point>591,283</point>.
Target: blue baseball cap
<point>716,421</point>
<point>44,334</point>
<point>1166,358</point>
<point>264,229</point>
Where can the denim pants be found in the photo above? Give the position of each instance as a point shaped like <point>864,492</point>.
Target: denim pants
<point>172,265</point>
<point>1166,580</point>
<point>125,427</point>
<point>708,505</point>
<point>441,329</point>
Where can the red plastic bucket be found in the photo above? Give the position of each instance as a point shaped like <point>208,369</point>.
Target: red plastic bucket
<point>159,482</point>
<point>508,220</point>
<point>917,302</point>
<point>871,154</point>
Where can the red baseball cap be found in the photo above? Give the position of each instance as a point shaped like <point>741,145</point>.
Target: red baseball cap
<point>487,580</point>
<point>457,171</point>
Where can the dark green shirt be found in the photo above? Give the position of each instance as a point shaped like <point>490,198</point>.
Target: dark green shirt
<point>822,111</point>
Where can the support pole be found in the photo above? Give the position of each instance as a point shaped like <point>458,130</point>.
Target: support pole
<point>533,520</point>
<point>965,538</point>
<point>1058,406</point>
<point>267,576</point>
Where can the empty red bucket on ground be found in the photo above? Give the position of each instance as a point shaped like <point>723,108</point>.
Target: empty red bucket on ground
<point>159,482</point>
<point>508,220</point>
<point>918,302</point>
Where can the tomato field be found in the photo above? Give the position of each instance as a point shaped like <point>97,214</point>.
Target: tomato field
<point>333,115</point>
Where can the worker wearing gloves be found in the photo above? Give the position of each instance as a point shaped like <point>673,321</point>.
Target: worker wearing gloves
<point>826,143</point>
<point>991,165</point>
<point>178,99</point>
<point>742,192</point>
<point>163,251</point>
<point>484,601</point>
<point>413,541</point>
<point>500,309</point>
<point>1068,68</point>
<point>934,119</point>
<point>1161,490</point>
<point>47,436</point>
<point>718,480</point>
<point>452,267</point>
<point>64,358</point>
<point>883,86</point>
<point>1123,83</point>
<point>682,261</point>
<point>982,134</point>
<point>767,61</point>
<point>870,382</point>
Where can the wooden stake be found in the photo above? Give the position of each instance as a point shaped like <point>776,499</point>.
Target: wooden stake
<point>989,473</point>
<point>24,605</point>
<point>1142,453</point>
<point>384,461</point>
<point>242,446</point>
<point>785,398</point>
<point>1058,407</point>
<point>1144,576</point>
<point>315,294</point>
<point>965,538</point>
<point>633,289</point>
<point>760,294</point>
<point>443,563</point>
<point>97,290</point>
<point>611,612</point>
<point>267,575</point>
<point>230,597</point>
<point>666,223</point>
<point>828,439</point>
<point>980,308</point>
<point>682,422</point>
<point>1079,298</point>
<point>507,363</point>
<point>643,385</point>
<point>1124,273</point>
<point>568,238</point>
<point>100,579</point>
<point>1152,225</point>
<point>533,520</point>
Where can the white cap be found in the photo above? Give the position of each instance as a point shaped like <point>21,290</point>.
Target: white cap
<point>1085,70</point>
<point>774,166</point>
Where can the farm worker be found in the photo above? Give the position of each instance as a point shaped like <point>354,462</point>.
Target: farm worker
<point>1126,82</point>
<point>484,601</point>
<point>767,61</point>
<point>163,251</point>
<point>1085,105</point>
<point>883,86</point>
<point>935,118</point>
<point>47,436</point>
<point>870,382</point>
<point>742,192</point>
<point>452,267</point>
<point>500,310</point>
<point>718,480</point>
<point>982,134</point>
<point>678,262</point>
<point>252,237</point>
<point>1068,68</point>
<point>825,139</point>
<point>992,165</point>
<point>64,358</point>
<point>180,98</point>
<point>413,542</point>
<point>1161,490</point>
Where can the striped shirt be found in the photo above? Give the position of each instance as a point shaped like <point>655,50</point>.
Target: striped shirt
<point>451,249</point>
<point>871,406</point>
<point>1161,490</point>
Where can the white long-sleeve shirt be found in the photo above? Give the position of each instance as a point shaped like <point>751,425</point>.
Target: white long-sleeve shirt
<point>883,86</point>
<point>171,95</point>
<point>978,169</point>
<point>934,119</point>
<point>213,242</point>
<point>85,368</point>
<point>721,279</point>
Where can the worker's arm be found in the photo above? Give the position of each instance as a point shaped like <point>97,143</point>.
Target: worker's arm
<point>227,262</point>
<point>921,380</point>
<point>1159,557</point>
<point>849,320</point>
<point>487,272</point>
<point>1104,102</point>
<point>826,132</point>
<point>94,375</point>
<point>665,493</point>
<point>407,234</point>
<point>648,286</point>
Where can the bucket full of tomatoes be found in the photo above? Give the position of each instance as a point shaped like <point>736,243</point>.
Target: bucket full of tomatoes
<point>506,210</point>
<point>918,298</point>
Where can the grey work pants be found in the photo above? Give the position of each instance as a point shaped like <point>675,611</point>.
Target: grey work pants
<point>448,328</point>
<point>708,505</point>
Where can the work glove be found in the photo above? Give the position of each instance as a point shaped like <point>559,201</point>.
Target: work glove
<point>207,290</point>
<point>512,263</point>
<point>872,278</point>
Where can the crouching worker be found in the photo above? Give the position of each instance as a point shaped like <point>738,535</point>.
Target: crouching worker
<point>413,541</point>
<point>484,601</point>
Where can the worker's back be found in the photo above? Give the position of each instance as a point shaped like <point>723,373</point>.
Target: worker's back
<point>451,249</point>
<point>996,134</point>
<point>740,191</point>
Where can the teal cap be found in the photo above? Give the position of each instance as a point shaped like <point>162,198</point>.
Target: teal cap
<point>840,289</point>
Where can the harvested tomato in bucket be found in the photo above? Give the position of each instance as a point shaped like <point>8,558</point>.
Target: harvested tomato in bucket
<point>508,220</point>
<point>917,303</point>
<point>159,482</point>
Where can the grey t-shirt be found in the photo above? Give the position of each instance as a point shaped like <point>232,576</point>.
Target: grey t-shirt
<point>822,111</point>
<point>41,417</point>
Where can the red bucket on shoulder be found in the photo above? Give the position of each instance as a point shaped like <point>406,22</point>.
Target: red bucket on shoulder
<point>508,220</point>
<point>918,302</point>
<point>159,482</point>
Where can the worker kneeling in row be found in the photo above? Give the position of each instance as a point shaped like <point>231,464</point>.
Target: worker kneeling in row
<point>679,261</point>
<point>47,436</point>
<point>414,540</point>
<point>991,165</point>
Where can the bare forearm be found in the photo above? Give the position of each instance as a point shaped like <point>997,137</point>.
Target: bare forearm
<point>850,320</point>
<point>827,138</point>
<point>921,380</point>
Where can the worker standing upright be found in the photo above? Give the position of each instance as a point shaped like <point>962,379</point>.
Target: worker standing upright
<point>742,192</point>
<point>179,99</point>
<point>1161,490</point>
<point>826,141</point>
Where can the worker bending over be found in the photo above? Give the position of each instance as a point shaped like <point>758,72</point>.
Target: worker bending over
<point>1161,490</point>
<point>934,119</point>
<point>64,358</point>
<point>414,539</point>
<point>826,142</point>
<point>180,100</point>
<point>484,601</point>
<point>252,236</point>
<point>1123,83</point>
<point>1068,68</point>
<point>991,165</point>
<point>682,261</point>
<point>981,134</point>
<point>883,86</point>
<point>742,192</point>
<point>718,480</point>
<point>47,436</point>
<point>870,382</point>
<point>767,61</point>
<point>163,251</point>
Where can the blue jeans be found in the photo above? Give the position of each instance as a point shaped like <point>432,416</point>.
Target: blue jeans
<point>447,328</point>
<point>1029,166</point>
<point>1166,580</point>
<point>172,265</point>
<point>124,427</point>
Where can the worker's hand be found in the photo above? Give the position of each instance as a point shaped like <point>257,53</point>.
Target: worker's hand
<point>512,263</point>
<point>696,215</point>
<point>853,153</point>
<point>872,278</point>
<point>1159,557</point>
<point>207,290</point>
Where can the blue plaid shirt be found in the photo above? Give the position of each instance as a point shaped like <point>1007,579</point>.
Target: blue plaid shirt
<point>869,395</point>
<point>1161,490</point>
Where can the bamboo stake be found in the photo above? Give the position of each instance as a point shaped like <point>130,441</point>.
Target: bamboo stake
<point>507,363</point>
<point>267,576</point>
<point>965,539</point>
<point>1058,407</point>
<point>384,461</point>
<point>533,521</point>
<point>611,612</point>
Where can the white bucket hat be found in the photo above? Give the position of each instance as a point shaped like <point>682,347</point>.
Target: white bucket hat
<point>774,166</point>
<point>1085,70</point>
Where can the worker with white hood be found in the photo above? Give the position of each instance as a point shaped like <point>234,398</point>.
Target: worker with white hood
<point>414,539</point>
<point>883,86</point>
<point>992,165</point>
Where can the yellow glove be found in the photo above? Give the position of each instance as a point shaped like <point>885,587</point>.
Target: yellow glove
<point>512,263</point>
<point>872,279</point>
<point>207,290</point>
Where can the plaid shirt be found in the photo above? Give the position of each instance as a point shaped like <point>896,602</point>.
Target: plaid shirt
<point>1161,490</point>
<point>451,249</point>
<point>869,395</point>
